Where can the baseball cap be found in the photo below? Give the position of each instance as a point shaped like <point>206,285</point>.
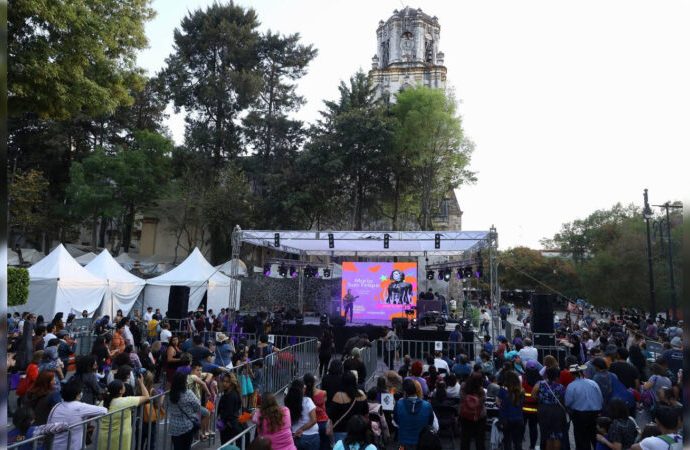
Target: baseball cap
<point>531,364</point>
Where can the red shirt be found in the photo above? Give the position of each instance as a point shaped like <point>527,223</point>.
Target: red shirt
<point>320,402</point>
<point>566,377</point>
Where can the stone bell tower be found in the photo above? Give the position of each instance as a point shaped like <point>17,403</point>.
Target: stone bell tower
<point>407,53</point>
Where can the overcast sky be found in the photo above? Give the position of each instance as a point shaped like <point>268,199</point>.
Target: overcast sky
<point>573,106</point>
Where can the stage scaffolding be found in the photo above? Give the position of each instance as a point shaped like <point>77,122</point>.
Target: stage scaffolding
<point>461,244</point>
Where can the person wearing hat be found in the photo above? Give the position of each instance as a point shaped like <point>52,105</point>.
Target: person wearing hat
<point>674,356</point>
<point>224,350</point>
<point>584,400</point>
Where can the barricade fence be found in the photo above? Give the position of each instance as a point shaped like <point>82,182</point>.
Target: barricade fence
<point>370,359</point>
<point>149,421</point>
<point>392,352</point>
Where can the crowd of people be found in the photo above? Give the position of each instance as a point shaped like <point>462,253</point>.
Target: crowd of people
<point>605,387</point>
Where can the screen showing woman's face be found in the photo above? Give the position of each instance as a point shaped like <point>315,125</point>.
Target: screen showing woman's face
<point>397,275</point>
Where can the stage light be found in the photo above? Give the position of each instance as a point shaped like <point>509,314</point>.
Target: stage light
<point>324,320</point>
<point>458,275</point>
<point>437,240</point>
<point>414,323</point>
<point>468,272</point>
<point>331,240</point>
<point>429,275</point>
<point>276,240</point>
<point>307,271</point>
<point>282,270</point>
<point>293,272</point>
<point>440,275</point>
<point>386,240</point>
<point>446,275</point>
<point>267,269</point>
<point>480,271</point>
<point>326,273</point>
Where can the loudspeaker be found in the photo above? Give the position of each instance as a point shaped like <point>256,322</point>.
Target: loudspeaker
<point>400,323</point>
<point>338,321</point>
<point>178,302</point>
<point>542,318</point>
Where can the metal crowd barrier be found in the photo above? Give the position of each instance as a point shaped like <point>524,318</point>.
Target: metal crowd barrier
<point>370,359</point>
<point>420,349</point>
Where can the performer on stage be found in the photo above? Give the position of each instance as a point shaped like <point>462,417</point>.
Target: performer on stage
<point>399,291</point>
<point>349,301</point>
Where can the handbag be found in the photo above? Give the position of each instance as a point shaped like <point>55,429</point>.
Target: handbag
<point>330,426</point>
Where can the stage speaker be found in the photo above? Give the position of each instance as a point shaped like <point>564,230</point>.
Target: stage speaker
<point>542,318</point>
<point>337,321</point>
<point>178,302</point>
<point>400,323</point>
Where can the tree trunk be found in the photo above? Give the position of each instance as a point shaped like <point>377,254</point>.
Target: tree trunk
<point>94,232</point>
<point>129,224</point>
<point>102,230</point>
<point>396,203</point>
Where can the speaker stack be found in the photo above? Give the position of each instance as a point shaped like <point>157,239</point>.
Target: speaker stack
<point>542,319</point>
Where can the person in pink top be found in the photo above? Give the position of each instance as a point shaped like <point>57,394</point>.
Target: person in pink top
<point>273,422</point>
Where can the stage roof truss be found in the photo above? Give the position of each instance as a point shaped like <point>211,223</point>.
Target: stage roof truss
<point>370,243</point>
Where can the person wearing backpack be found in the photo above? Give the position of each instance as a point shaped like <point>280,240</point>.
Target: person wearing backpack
<point>668,421</point>
<point>473,412</point>
<point>411,414</point>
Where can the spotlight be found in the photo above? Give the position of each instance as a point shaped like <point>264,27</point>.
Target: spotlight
<point>282,270</point>
<point>429,275</point>
<point>440,275</point>
<point>468,272</point>
<point>331,240</point>
<point>276,240</point>
<point>308,271</point>
<point>293,272</point>
<point>267,269</point>
<point>386,240</point>
<point>324,320</point>
<point>326,273</point>
<point>446,275</point>
<point>458,275</point>
<point>414,323</point>
<point>437,241</point>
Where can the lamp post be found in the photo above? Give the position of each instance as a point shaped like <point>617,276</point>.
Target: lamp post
<point>667,206</point>
<point>647,213</point>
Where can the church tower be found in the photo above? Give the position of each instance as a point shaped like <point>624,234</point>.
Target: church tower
<point>407,53</point>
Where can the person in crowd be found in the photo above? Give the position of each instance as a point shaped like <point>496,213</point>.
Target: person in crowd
<point>326,349</point>
<point>348,401</point>
<point>65,347</point>
<point>452,386</point>
<point>101,351</point>
<point>273,423</point>
<point>637,359</point>
<point>567,376</point>
<point>377,419</point>
<point>626,372</point>
<point>486,362</point>
<point>26,429</point>
<point>196,383</point>
<point>127,332</point>
<point>172,358</point>
<point>332,382</point>
<point>72,411</point>
<point>50,334</point>
<point>229,409</point>
<point>530,405</point>
<point>404,368</point>
<point>183,413</point>
<point>224,350</point>
<point>265,348</point>
<point>528,351</point>
<point>473,412</point>
<point>134,360</point>
<point>146,358</point>
<point>659,380</point>
<point>199,352</point>
<point>244,374</point>
<point>117,342</point>
<point>305,429</point>
<point>603,427</point>
<point>393,382</point>
<point>431,378</point>
<point>549,361</point>
<point>440,363</point>
<point>584,399</point>
<point>510,401</point>
<point>153,412</point>
<point>115,430</point>
<point>42,396</point>
<point>165,333</point>
<point>623,430</point>
<point>602,377</point>
<point>86,374</point>
<point>551,413</point>
<point>357,437</point>
<point>355,363</point>
<point>30,376</point>
<point>26,345</point>
<point>52,362</point>
<point>318,396</point>
<point>668,421</point>
<point>674,357</point>
<point>411,414</point>
<point>128,377</point>
<point>416,374</point>
<point>488,346</point>
<point>37,342</point>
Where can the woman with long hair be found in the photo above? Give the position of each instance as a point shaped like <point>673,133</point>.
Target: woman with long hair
<point>473,430</point>
<point>347,402</point>
<point>101,351</point>
<point>30,376</point>
<point>637,359</point>
<point>86,367</point>
<point>332,382</point>
<point>115,430</point>
<point>326,347</point>
<point>510,400</point>
<point>550,413</point>
<point>42,396</point>
<point>318,396</point>
<point>273,423</point>
<point>183,413</point>
<point>153,411</point>
<point>358,436</point>
<point>229,408</point>
<point>622,432</point>
<point>117,342</point>
<point>303,413</point>
<point>529,408</point>
<point>172,358</point>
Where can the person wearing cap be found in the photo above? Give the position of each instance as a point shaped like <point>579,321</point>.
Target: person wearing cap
<point>584,400</point>
<point>674,356</point>
<point>224,350</point>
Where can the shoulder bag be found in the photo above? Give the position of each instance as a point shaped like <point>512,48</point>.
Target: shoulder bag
<point>330,426</point>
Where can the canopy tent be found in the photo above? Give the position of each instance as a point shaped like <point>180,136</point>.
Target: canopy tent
<point>234,264</point>
<point>123,287</point>
<point>85,258</point>
<point>369,243</point>
<point>57,283</point>
<point>201,277</point>
<point>126,261</point>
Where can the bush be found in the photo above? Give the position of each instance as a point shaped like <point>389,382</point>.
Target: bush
<point>17,286</point>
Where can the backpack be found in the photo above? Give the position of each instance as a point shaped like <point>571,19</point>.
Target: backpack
<point>673,444</point>
<point>471,407</point>
<point>618,390</point>
<point>429,439</point>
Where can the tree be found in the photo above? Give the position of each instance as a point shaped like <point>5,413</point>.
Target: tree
<point>528,270</point>
<point>73,57</point>
<point>431,149</point>
<point>213,75</point>
<point>28,212</point>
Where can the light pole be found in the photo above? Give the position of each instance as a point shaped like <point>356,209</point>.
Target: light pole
<point>647,213</point>
<point>667,206</point>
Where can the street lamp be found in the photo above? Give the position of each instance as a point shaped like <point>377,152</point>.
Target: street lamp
<point>648,214</point>
<point>667,206</point>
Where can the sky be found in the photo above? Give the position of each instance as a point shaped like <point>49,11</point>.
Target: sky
<point>573,106</point>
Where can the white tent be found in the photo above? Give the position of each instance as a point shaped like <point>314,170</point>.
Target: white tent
<point>123,287</point>
<point>57,283</point>
<point>201,277</point>
<point>239,266</point>
<point>126,261</point>
<point>85,258</point>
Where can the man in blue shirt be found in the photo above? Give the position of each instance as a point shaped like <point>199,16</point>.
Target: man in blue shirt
<point>584,400</point>
<point>411,414</point>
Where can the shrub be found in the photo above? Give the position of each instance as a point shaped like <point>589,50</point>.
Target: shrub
<point>17,286</point>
